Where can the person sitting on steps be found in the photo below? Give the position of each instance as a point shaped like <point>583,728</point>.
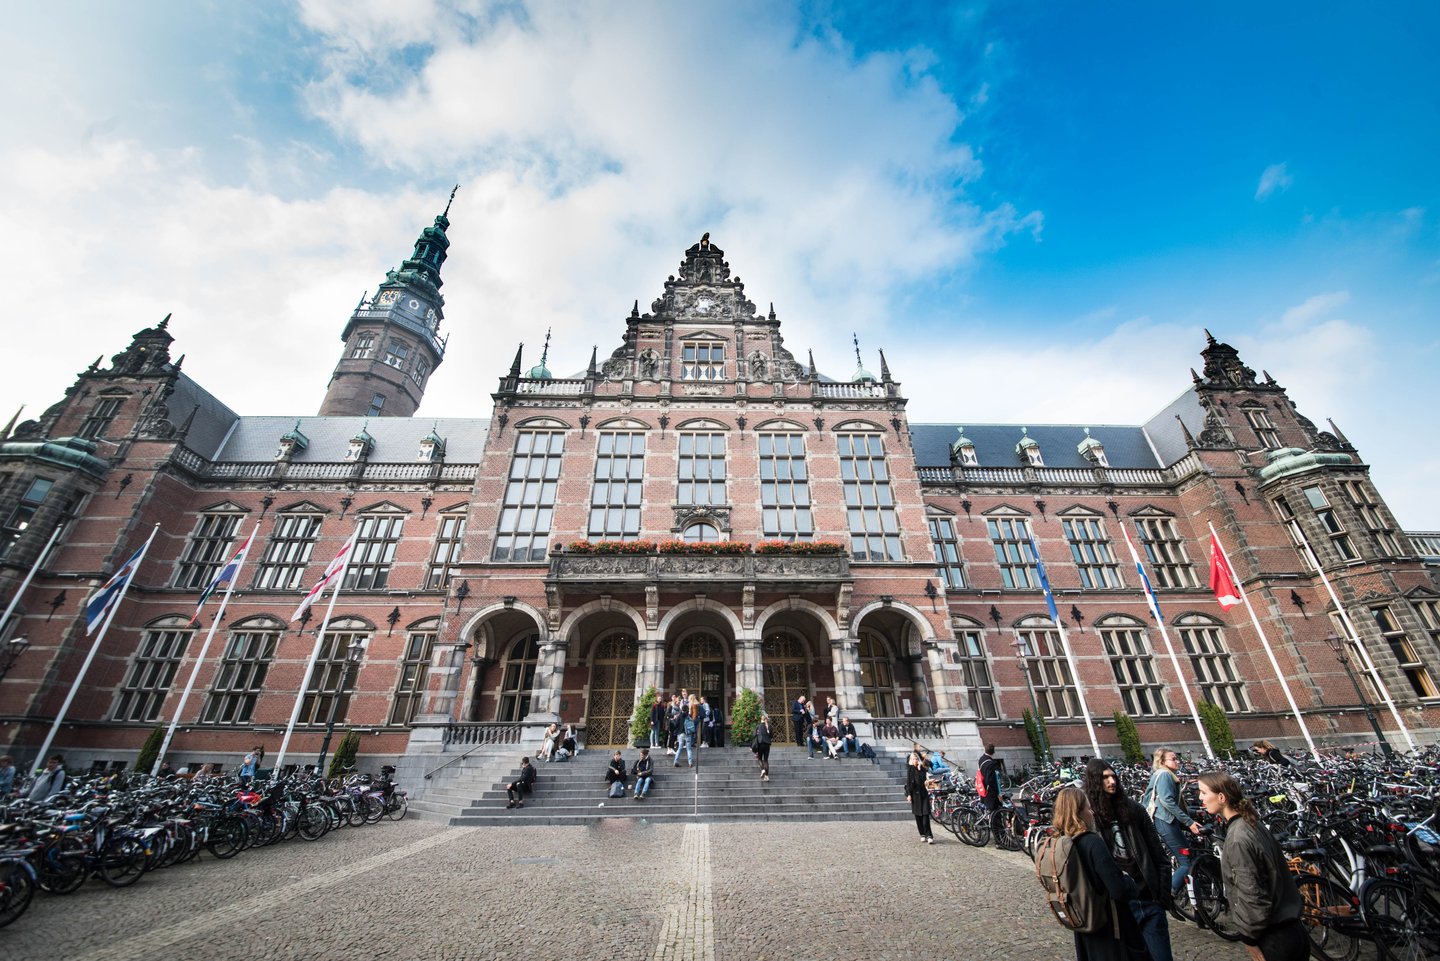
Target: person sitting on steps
<point>644,773</point>
<point>521,786</point>
<point>815,741</point>
<point>849,740</point>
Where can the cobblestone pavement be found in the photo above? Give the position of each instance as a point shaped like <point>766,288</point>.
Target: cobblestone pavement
<point>722,892</point>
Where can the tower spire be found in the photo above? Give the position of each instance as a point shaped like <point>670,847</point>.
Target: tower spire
<point>446,214</point>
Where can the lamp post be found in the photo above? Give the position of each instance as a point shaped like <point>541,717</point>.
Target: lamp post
<point>1020,657</point>
<point>13,649</point>
<point>1337,646</point>
<point>352,660</point>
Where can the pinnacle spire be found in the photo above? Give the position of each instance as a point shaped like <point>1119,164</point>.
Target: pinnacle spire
<point>515,366</point>
<point>593,369</point>
<point>884,368</point>
<point>10,427</point>
<point>446,214</point>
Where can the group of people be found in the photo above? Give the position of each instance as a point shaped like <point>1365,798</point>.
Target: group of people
<point>684,722</point>
<point>559,744</point>
<point>643,771</point>
<point>49,780</point>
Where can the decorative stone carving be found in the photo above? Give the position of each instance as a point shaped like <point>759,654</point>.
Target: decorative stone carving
<point>704,390</point>
<point>759,367</point>
<point>719,516</point>
<point>613,369</point>
<point>649,363</point>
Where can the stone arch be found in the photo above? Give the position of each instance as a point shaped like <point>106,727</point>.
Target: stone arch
<point>916,619</point>
<point>696,605</point>
<point>479,627</point>
<point>832,628</point>
<point>601,606</point>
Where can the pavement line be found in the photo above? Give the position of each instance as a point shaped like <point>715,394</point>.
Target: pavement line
<point>146,946</point>
<point>688,933</point>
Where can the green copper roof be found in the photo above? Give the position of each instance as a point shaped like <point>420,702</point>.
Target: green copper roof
<point>70,453</point>
<point>1288,461</point>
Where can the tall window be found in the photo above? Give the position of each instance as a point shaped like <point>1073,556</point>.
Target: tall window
<point>1011,539</point>
<point>619,478</point>
<point>377,404</point>
<point>702,469</point>
<point>869,502</point>
<point>161,648</point>
<point>702,361</point>
<point>414,669</point>
<point>207,551</point>
<point>1050,676</point>
<point>1090,548</point>
<point>1169,563</point>
<point>364,346</point>
<point>1133,663</point>
<point>1204,641</point>
<point>529,504</point>
<point>241,677</point>
<point>1339,537</point>
<point>396,353</point>
<point>333,680</point>
<point>24,513</point>
<point>1265,433</point>
<point>978,680</point>
<point>374,552</point>
<point>784,488</point>
<point>447,551</point>
<point>291,541</point>
<point>877,676</point>
<point>1429,612</point>
<point>98,421</point>
<point>421,369</point>
<point>1363,500</point>
<point>947,553</point>
<point>519,680</point>
<point>1400,645</point>
<point>1297,536</point>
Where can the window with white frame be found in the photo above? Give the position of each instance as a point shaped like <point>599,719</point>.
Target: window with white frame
<point>24,512</point>
<point>700,532</point>
<point>414,670</point>
<point>518,682</point>
<point>1050,676</point>
<point>702,469</point>
<point>207,551</point>
<point>1265,433</point>
<point>1010,536</point>
<point>100,416</point>
<point>1429,611</point>
<point>241,677</point>
<point>1297,536</point>
<point>975,666</point>
<point>364,345</point>
<point>377,404</point>
<point>1169,562</point>
<point>1132,661</point>
<point>333,680</point>
<point>1204,641</point>
<point>523,532</point>
<point>784,488</point>
<point>1090,548</point>
<point>421,369</point>
<point>162,646</point>
<point>1330,522</point>
<point>1403,648</point>
<point>291,542</point>
<point>397,352</point>
<point>616,496</point>
<point>1366,505</point>
<point>448,541</point>
<point>374,552</point>
<point>702,361</point>
<point>869,500</point>
<point>947,553</point>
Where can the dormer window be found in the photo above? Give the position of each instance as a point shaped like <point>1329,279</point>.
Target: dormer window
<point>1092,450</point>
<point>702,361</point>
<point>1265,432</point>
<point>1029,449</point>
<point>963,451</point>
<point>360,446</point>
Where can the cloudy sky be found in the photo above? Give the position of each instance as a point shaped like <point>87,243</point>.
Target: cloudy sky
<point>1035,208</point>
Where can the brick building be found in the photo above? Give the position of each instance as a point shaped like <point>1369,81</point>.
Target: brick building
<point>479,607</point>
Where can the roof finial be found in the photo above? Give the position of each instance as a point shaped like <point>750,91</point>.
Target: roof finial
<point>856,338</point>
<point>705,240</point>
<point>545,353</point>
<point>635,310</point>
<point>1209,337</point>
<point>884,368</point>
<point>592,370</point>
<point>515,367</point>
<point>446,214</point>
<point>164,323</point>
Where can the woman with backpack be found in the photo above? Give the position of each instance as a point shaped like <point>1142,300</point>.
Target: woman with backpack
<point>1162,802</point>
<point>1263,903</point>
<point>1100,889</point>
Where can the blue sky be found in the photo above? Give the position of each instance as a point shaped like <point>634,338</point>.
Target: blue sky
<point>1074,190</point>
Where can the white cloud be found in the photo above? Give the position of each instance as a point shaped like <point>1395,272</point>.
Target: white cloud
<point>1274,178</point>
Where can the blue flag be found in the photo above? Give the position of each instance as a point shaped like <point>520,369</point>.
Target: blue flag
<point>1044,581</point>
<point>99,605</point>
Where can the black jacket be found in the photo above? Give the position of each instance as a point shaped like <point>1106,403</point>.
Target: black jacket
<point>1257,879</point>
<point>615,772</point>
<point>990,768</point>
<point>916,791</point>
<point>1106,875</point>
<point>1151,861</point>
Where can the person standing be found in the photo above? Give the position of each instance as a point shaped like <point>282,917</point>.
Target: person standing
<point>1121,940</point>
<point>687,740</point>
<point>990,777</point>
<point>797,719</point>
<point>1129,834</point>
<point>657,720</point>
<point>50,781</point>
<point>761,746</point>
<point>250,765</point>
<point>644,772</point>
<point>919,797</point>
<point>1162,802</point>
<point>704,720</point>
<point>1263,903</point>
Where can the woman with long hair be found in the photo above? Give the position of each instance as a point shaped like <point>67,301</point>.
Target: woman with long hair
<point>761,746</point>
<point>1263,902</point>
<point>1162,802</point>
<point>918,794</point>
<point>1121,940</point>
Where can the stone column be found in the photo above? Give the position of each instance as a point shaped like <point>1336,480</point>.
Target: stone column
<point>447,665</point>
<point>748,669</point>
<point>549,680</point>
<point>650,671</point>
<point>946,681</point>
<point>921,697</point>
<point>849,691</point>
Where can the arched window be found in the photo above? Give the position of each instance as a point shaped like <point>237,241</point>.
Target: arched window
<point>701,532</point>
<point>334,678</point>
<point>1050,676</point>
<point>1133,663</point>
<point>248,653</point>
<point>161,648</point>
<point>519,681</point>
<point>1204,641</point>
<point>877,675</point>
<point>414,670</point>
<point>976,668</point>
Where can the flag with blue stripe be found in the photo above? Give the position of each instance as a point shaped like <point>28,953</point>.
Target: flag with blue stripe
<point>1150,597</point>
<point>227,574</point>
<point>99,605</point>
<point>1044,581</point>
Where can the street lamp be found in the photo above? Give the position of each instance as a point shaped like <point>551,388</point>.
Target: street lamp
<point>352,660</point>
<point>1337,646</point>
<point>13,649</point>
<point>1020,655</point>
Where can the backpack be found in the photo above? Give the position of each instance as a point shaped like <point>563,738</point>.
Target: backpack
<point>617,789</point>
<point>867,752</point>
<point>1076,903</point>
<point>980,782</point>
<point>690,726</point>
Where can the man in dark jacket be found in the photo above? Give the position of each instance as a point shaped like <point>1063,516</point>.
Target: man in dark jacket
<point>1131,837</point>
<point>521,786</point>
<point>798,720</point>
<point>990,773</point>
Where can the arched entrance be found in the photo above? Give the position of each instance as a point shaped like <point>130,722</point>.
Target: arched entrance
<point>700,668</point>
<point>612,690</point>
<point>518,681</point>
<point>877,675</point>
<point>786,664</point>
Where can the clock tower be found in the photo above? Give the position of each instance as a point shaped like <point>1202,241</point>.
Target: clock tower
<point>392,340</point>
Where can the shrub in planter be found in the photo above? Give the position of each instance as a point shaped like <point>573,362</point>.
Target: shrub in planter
<point>709,548</point>
<point>640,719</point>
<point>150,750</point>
<point>344,755</point>
<point>1037,734</point>
<point>1217,725</point>
<point>745,717</point>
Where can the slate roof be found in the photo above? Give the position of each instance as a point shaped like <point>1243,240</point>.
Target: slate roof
<point>397,439</point>
<point>212,421</point>
<point>1164,431</point>
<point>995,444</point>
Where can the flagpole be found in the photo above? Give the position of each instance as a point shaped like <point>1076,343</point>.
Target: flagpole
<point>315,654</point>
<point>1065,645</point>
<point>1265,642</point>
<point>34,569</point>
<point>95,647</point>
<point>1169,647</point>
<point>1359,644</point>
<point>204,649</point>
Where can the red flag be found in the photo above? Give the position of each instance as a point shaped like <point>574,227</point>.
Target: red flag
<point>1222,577</point>
<point>336,566</point>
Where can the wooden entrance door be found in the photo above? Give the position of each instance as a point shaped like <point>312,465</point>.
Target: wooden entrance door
<point>612,691</point>
<point>700,668</point>
<point>787,676</point>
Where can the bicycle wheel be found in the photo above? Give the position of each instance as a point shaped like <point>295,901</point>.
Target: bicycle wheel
<point>227,837</point>
<point>399,806</point>
<point>314,823</point>
<point>1404,922</point>
<point>973,827</point>
<point>1210,898</point>
<point>17,887</point>
<point>61,868</point>
<point>1009,834</point>
<point>1331,915</point>
<point>121,861</point>
<point>372,807</point>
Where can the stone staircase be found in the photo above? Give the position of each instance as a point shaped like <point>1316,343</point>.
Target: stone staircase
<point>724,785</point>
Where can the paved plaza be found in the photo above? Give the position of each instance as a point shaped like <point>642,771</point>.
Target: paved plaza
<point>828,891</point>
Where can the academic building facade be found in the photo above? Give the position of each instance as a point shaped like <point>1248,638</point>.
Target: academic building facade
<point>698,508</point>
